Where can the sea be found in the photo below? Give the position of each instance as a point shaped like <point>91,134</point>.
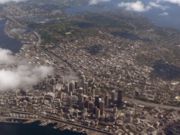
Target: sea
<point>31,129</point>
<point>6,42</point>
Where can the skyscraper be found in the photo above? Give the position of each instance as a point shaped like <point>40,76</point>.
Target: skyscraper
<point>119,99</point>
<point>97,101</point>
<point>72,86</point>
<point>106,100</point>
<point>101,107</point>
<point>113,96</point>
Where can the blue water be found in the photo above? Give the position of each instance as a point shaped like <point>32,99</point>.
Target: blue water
<point>31,129</point>
<point>7,42</point>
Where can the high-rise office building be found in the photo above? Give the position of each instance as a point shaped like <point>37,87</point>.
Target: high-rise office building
<point>101,107</point>
<point>97,101</point>
<point>72,86</point>
<point>113,96</point>
<point>119,99</point>
<point>97,113</point>
<point>106,100</point>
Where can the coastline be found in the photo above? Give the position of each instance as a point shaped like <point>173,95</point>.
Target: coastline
<point>8,41</point>
<point>23,47</point>
<point>34,127</point>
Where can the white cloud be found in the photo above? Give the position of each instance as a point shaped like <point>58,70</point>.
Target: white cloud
<point>94,2</point>
<point>137,6</point>
<point>170,1</point>
<point>18,73</point>
<point>5,1</point>
<point>157,5</point>
<point>164,14</point>
<point>6,57</point>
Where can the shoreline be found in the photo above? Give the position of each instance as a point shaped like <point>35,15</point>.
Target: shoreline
<point>37,125</point>
<point>18,53</point>
<point>13,44</point>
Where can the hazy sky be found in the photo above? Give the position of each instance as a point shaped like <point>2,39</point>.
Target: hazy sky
<point>4,1</point>
<point>160,12</point>
<point>140,5</point>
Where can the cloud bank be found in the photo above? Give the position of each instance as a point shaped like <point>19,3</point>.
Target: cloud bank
<point>5,1</point>
<point>177,2</point>
<point>139,6</point>
<point>94,2</point>
<point>18,73</point>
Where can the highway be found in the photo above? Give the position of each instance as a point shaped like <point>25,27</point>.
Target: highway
<point>55,119</point>
<point>76,125</point>
<point>145,103</point>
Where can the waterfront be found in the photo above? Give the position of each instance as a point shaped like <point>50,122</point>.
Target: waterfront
<point>7,42</point>
<point>31,129</point>
<point>173,129</point>
<point>19,128</point>
<point>108,76</point>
